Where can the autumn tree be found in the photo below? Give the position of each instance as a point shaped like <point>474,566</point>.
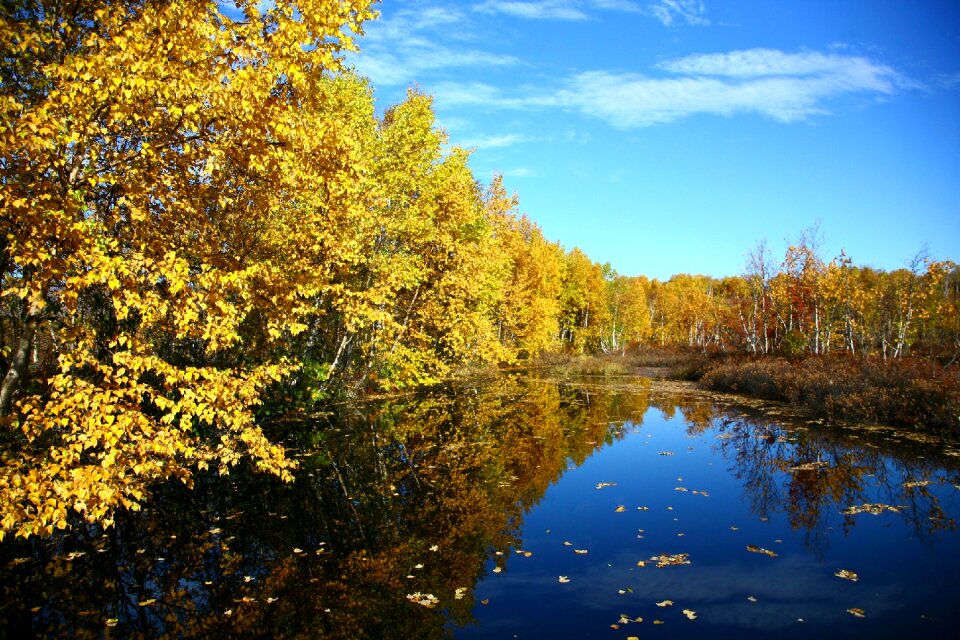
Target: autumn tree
<point>165,171</point>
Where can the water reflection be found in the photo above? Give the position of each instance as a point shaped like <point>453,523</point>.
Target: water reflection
<point>416,495</point>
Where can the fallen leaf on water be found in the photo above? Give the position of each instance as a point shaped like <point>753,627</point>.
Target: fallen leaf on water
<point>872,509</point>
<point>435,548</point>
<point>734,528</point>
<point>665,560</point>
<point>658,622</point>
<point>601,485</point>
<point>755,549</point>
<point>916,483</point>
<point>418,566</point>
<point>563,579</point>
<point>580,551</point>
<point>860,613</point>
<point>665,603</point>
<point>271,600</point>
<point>681,489</point>
<point>665,453</point>
<point>809,466</point>
<point>497,569</point>
<point>248,578</point>
<point>427,600</point>
<point>847,575</point>
<point>111,622</point>
<point>527,554</point>
<point>459,593</point>
<point>691,615</point>
<point>624,619</point>
<point>614,626</point>
<point>228,612</point>
<point>642,563</point>
<point>146,603</point>
<point>643,508</point>
<point>297,550</point>
<point>567,543</point>
<point>620,509</point>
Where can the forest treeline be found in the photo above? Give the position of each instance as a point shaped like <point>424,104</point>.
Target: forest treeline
<point>203,211</point>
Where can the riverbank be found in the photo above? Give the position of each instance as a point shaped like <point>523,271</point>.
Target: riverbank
<point>910,392</point>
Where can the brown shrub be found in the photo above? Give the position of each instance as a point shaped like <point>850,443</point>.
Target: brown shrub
<point>912,392</point>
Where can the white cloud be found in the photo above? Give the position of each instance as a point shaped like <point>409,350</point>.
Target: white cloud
<point>555,9</point>
<point>545,9</point>
<point>492,141</point>
<point>401,49</point>
<point>786,87</point>
<point>672,12</point>
<point>948,80</point>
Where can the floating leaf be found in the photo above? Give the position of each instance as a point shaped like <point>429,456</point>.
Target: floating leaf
<point>665,453</point>
<point>847,575</point>
<point>459,593</point>
<point>691,615</point>
<point>601,485</point>
<point>809,466</point>
<point>620,509</point>
<point>855,611</point>
<point>580,551</point>
<point>146,603</point>
<point>111,622</point>
<point>485,601</point>
<point>872,509</point>
<point>666,560</point>
<point>755,549</point>
<point>427,600</point>
<point>752,598</point>
<point>497,569</point>
<point>563,579</point>
<point>665,603</point>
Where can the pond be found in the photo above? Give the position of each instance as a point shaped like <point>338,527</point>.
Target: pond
<point>524,507</point>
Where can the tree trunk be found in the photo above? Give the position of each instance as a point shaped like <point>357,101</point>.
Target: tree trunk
<point>20,360</point>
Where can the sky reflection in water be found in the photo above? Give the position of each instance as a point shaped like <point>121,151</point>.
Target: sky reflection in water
<point>429,494</point>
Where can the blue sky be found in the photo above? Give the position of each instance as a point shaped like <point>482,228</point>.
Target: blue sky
<point>669,136</point>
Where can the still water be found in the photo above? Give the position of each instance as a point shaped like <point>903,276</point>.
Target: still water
<point>524,507</point>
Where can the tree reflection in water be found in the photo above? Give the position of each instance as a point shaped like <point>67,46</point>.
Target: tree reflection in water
<point>408,495</point>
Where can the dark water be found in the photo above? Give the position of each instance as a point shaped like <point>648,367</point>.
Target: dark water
<point>480,497</point>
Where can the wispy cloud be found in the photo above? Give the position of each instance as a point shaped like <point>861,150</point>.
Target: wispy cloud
<point>493,141</point>
<point>786,87</point>
<point>676,12</point>
<point>556,9</point>
<point>543,10</point>
<point>399,50</point>
<point>948,80</point>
